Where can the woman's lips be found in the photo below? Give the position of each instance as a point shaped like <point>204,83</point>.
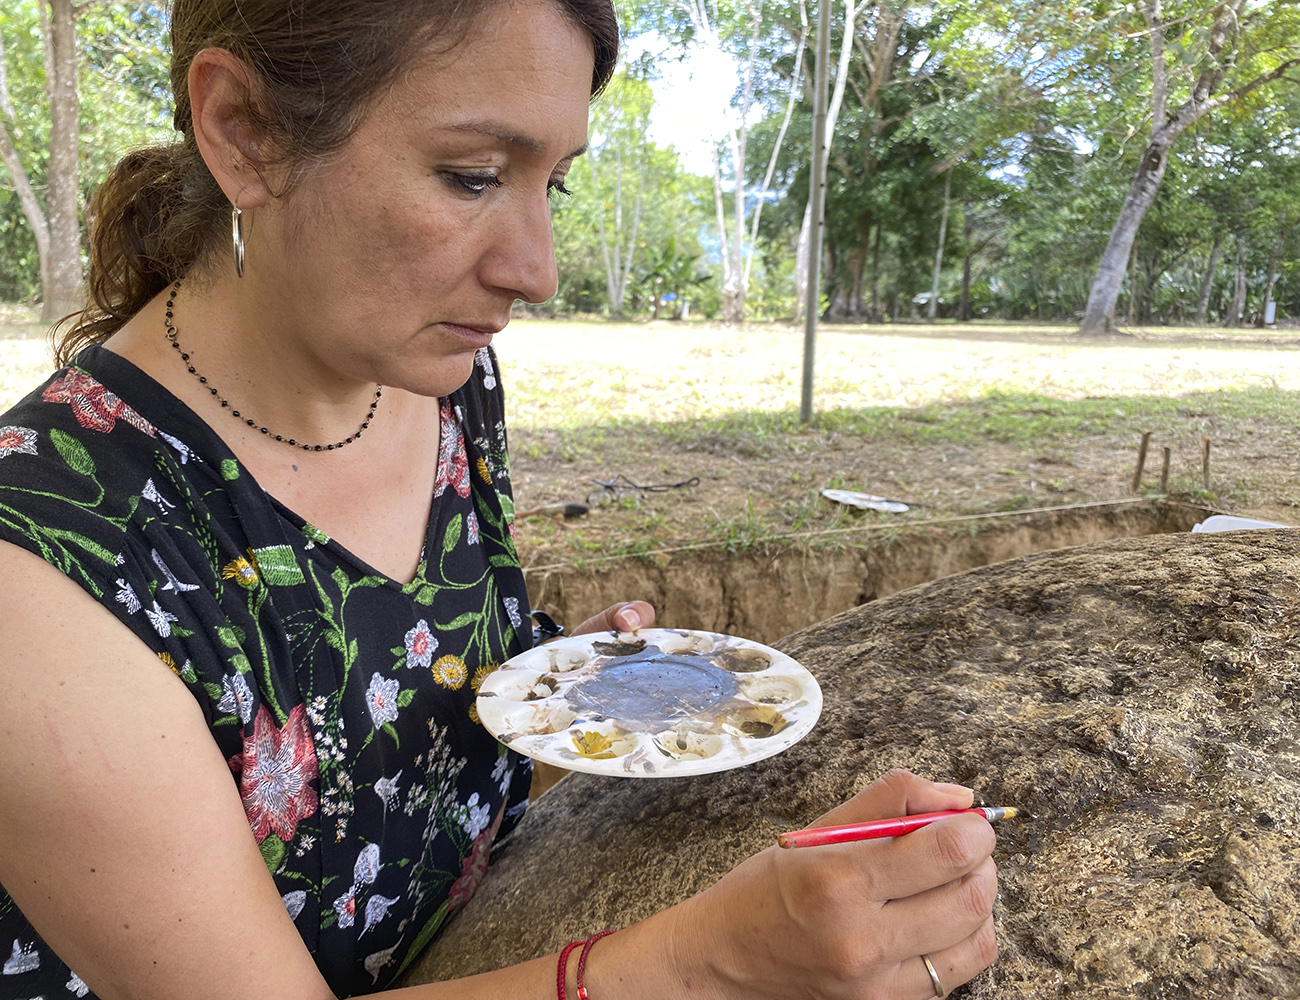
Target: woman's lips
<point>475,336</point>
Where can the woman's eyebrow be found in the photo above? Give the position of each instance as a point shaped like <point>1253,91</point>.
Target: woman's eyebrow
<point>510,137</point>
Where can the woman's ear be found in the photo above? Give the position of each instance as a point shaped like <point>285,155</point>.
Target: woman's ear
<point>222,91</point>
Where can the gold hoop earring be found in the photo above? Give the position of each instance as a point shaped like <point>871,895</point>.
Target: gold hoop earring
<point>237,235</point>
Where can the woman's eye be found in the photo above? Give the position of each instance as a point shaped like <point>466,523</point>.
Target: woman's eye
<point>475,185</point>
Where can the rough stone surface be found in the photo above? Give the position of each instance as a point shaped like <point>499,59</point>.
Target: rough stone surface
<point>1137,697</point>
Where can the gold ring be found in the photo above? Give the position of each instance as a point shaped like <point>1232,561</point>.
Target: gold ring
<point>934,976</point>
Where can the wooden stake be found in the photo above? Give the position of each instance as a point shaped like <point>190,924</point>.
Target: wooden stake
<point>1205,463</point>
<point>1164,475</point>
<point>1142,460</point>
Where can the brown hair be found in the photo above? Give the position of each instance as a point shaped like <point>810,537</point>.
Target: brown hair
<point>316,64</point>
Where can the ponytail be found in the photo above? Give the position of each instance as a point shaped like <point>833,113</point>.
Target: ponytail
<point>151,220</point>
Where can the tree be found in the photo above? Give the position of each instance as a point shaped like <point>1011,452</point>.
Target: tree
<point>1200,59</point>
<point>55,224</point>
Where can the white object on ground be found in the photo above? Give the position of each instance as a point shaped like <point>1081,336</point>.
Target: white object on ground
<point>1226,522</point>
<point>865,500</point>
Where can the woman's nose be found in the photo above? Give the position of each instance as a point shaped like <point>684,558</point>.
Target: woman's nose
<point>522,259</point>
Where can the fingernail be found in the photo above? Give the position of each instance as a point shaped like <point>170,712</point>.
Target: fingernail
<point>948,786</point>
<point>631,620</point>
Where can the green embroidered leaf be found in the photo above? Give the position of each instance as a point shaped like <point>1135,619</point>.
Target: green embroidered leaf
<point>400,661</point>
<point>352,651</point>
<point>229,469</point>
<point>240,662</point>
<point>277,565</point>
<point>370,581</point>
<point>500,560</point>
<point>425,594</point>
<point>334,639</point>
<point>405,697</point>
<point>225,720</point>
<point>313,533</point>
<point>507,505</point>
<point>213,690</point>
<point>272,849</point>
<point>388,728</point>
<point>460,621</point>
<point>73,452</point>
<point>340,578</point>
<point>452,538</point>
<point>399,651</point>
<point>184,633</point>
<point>187,673</point>
<point>231,635</point>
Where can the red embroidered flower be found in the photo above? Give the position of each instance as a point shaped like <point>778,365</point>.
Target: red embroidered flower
<point>453,463</point>
<point>275,774</point>
<point>93,405</point>
<point>472,869</point>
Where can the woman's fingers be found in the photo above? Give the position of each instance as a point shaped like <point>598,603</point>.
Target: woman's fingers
<point>953,966</point>
<point>898,793</point>
<point>627,616</point>
<point>938,918</point>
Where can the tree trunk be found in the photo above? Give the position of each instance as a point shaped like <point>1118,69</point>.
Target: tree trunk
<point>933,309</point>
<point>1099,314</point>
<point>62,289</point>
<point>801,264</point>
<point>1237,310</point>
<point>1207,283</point>
<point>874,313</point>
<point>1271,280</point>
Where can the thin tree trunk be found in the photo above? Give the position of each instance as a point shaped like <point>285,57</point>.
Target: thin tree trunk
<point>27,200</point>
<point>933,309</point>
<point>1207,283</point>
<point>1272,271</point>
<point>875,276</point>
<point>1130,311</point>
<point>63,291</point>
<point>1237,310</point>
<point>1099,313</point>
<point>801,264</point>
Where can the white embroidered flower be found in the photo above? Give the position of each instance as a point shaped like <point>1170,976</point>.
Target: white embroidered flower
<point>471,528</point>
<point>517,810</point>
<point>161,620</point>
<point>126,595</point>
<point>346,907</point>
<point>386,789</point>
<point>150,493</point>
<point>421,644</point>
<point>294,902</point>
<point>502,772</point>
<point>236,697</point>
<point>379,960</point>
<point>366,870</point>
<point>22,960</point>
<point>512,609</point>
<point>476,818</point>
<point>181,447</point>
<point>381,697</point>
<point>172,583</point>
<point>75,985</point>
<point>17,441</point>
<point>376,909</point>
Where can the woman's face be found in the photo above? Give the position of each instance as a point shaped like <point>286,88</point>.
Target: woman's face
<point>402,256</point>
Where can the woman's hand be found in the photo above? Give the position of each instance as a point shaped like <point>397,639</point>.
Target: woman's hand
<point>625,617</point>
<point>844,921</point>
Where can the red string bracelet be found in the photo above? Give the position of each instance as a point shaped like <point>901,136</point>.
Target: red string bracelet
<point>562,967</point>
<point>562,970</point>
<point>582,960</point>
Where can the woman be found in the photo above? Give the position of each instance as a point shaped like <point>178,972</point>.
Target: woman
<point>260,529</point>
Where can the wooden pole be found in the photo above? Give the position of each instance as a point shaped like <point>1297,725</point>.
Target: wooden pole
<point>817,195</point>
<point>1164,475</point>
<point>1205,463</point>
<point>1142,460</point>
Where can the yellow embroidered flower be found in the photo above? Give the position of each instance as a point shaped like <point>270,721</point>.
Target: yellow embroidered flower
<point>450,672</point>
<point>476,682</point>
<point>242,571</point>
<point>483,471</point>
<point>171,663</point>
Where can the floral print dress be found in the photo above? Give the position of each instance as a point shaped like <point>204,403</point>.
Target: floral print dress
<point>342,700</point>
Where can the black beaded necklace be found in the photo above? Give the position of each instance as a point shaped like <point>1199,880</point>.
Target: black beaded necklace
<point>171,336</point>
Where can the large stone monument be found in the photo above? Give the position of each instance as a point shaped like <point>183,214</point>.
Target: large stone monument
<point>1138,698</point>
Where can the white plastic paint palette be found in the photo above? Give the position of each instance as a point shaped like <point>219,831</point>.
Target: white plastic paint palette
<point>654,703</point>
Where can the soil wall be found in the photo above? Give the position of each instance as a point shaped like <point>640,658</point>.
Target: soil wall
<point>775,591</point>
